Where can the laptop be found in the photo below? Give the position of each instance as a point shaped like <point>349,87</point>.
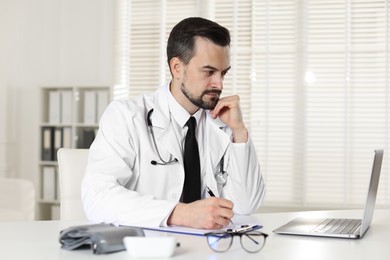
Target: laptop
<point>339,227</point>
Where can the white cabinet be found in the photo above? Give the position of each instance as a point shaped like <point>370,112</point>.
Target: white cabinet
<point>70,117</point>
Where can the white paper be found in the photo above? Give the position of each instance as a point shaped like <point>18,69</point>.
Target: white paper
<point>237,221</point>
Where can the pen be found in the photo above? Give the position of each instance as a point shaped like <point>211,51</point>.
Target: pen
<point>210,192</point>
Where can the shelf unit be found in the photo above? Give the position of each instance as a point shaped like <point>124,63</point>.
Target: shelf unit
<point>69,118</point>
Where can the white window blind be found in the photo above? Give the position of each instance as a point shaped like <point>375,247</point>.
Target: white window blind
<point>276,101</point>
<point>347,106</point>
<point>142,31</point>
<point>313,77</point>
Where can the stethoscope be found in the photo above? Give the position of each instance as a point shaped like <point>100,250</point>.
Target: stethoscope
<point>220,177</point>
<point>162,161</point>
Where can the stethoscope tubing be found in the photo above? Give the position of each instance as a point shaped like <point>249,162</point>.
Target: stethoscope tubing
<point>221,176</point>
<point>162,161</point>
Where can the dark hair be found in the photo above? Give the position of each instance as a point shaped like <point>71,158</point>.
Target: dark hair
<point>181,41</point>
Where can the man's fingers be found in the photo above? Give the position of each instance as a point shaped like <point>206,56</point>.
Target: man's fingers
<point>222,103</point>
<point>210,213</point>
<point>221,210</point>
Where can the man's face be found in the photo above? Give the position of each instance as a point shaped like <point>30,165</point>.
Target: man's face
<point>203,77</point>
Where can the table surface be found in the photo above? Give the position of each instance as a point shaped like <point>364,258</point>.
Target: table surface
<point>39,240</point>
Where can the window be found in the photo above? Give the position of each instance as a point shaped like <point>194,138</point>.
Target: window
<point>313,77</point>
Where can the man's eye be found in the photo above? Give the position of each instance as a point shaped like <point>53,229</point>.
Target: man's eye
<point>209,72</point>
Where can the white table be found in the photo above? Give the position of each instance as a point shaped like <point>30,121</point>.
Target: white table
<point>39,240</point>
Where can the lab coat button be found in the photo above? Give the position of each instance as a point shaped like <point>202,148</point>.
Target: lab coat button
<point>174,196</point>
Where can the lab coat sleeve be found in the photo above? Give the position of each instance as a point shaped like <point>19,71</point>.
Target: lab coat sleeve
<point>108,193</point>
<point>245,185</point>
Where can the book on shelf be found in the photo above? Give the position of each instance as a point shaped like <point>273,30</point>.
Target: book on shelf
<point>69,118</point>
<point>60,107</point>
<point>90,107</point>
<point>47,144</point>
<point>49,183</point>
<point>53,138</point>
<point>67,137</point>
<point>58,141</point>
<point>54,107</point>
<point>66,106</point>
<point>88,135</point>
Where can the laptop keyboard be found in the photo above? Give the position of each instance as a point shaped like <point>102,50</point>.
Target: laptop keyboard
<point>338,226</point>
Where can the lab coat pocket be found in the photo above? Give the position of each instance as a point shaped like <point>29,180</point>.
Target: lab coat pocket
<point>164,181</point>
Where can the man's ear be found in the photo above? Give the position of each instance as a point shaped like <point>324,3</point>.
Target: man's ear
<point>176,67</point>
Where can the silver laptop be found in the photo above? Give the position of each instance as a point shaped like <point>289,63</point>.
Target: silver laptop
<point>339,227</point>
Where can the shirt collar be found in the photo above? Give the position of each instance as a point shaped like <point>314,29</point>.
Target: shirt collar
<point>178,112</point>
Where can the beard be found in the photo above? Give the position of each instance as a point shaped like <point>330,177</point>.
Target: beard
<point>200,101</point>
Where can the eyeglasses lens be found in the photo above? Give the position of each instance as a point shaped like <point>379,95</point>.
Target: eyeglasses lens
<point>252,241</point>
<point>219,242</point>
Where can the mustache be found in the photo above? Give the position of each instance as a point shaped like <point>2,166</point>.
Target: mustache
<point>216,91</point>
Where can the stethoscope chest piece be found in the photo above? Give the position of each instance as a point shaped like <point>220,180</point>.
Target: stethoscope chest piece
<point>221,178</point>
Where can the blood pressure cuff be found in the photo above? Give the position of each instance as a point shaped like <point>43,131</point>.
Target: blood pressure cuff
<point>100,238</point>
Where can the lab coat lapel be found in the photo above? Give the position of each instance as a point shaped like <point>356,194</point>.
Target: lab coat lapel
<point>168,140</point>
<point>162,126</point>
<point>217,143</point>
<point>217,140</point>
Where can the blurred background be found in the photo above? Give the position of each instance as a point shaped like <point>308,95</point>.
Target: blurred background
<point>313,77</point>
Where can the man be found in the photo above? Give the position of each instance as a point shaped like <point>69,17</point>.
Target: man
<point>139,168</point>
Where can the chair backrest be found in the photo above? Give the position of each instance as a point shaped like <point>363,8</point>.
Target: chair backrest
<point>17,199</point>
<point>71,167</point>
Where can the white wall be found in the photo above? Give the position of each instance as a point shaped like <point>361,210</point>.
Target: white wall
<point>46,43</point>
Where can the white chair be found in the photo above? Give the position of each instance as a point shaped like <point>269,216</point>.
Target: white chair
<point>17,199</point>
<point>71,167</point>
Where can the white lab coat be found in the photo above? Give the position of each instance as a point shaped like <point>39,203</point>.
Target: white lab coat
<point>121,186</point>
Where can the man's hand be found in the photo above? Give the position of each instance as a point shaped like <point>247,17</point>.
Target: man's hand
<point>228,110</point>
<point>210,213</point>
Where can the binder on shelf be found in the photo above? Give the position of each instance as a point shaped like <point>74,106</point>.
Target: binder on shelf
<point>67,137</point>
<point>90,107</point>
<point>88,135</point>
<point>69,118</point>
<point>101,104</point>
<point>47,144</point>
<point>49,183</point>
<point>58,132</point>
<point>54,107</point>
<point>66,106</point>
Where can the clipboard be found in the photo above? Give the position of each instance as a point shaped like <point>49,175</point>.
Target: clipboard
<point>238,220</point>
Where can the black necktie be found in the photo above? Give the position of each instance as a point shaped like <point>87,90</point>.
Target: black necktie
<point>191,190</point>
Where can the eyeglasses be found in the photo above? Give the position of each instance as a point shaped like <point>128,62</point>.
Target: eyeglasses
<point>251,241</point>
